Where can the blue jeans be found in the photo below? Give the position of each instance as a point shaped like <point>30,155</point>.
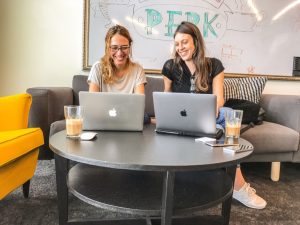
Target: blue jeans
<point>221,117</point>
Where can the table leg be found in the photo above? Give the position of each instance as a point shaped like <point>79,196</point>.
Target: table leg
<point>62,168</point>
<point>167,198</point>
<point>226,205</point>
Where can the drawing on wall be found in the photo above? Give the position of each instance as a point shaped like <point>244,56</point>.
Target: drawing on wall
<point>242,33</point>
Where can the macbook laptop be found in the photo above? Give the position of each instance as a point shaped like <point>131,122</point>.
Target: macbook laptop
<point>112,111</point>
<point>186,114</point>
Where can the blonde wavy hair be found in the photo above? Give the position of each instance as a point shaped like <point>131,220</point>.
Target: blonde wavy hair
<point>108,68</point>
<point>202,63</point>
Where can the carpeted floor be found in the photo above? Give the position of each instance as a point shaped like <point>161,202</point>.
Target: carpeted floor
<point>283,199</point>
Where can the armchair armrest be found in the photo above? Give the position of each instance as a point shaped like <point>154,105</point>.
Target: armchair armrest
<point>282,109</point>
<point>48,107</point>
<point>14,112</point>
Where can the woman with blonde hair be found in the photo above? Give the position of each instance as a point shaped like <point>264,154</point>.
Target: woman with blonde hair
<point>116,72</point>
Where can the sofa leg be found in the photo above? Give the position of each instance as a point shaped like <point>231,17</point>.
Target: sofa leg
<point>25,187</point>
<point>275,171</point>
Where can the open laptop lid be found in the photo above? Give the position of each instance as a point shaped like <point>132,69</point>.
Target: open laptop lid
<point>112,111</point>
<point>185,113</point>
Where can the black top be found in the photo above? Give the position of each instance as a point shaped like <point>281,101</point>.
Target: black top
<point>181,75</point>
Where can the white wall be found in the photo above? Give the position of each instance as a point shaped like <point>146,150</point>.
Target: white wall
<point>282,87</point>
<point>41,45</point>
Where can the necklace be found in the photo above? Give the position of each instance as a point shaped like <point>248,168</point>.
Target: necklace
<point>193,84</point>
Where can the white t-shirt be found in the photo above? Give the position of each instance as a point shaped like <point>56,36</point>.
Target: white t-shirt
<point>134,77</point>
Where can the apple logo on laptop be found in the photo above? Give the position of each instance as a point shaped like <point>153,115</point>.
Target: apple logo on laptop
<point>183,113</point>
<point>112,112</point>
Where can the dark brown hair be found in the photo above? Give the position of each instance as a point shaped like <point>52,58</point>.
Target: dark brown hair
<point>202,63</point>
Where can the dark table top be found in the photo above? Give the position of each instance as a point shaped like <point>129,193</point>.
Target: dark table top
<point>145,150</point>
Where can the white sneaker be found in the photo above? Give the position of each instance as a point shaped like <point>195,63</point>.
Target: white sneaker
<point>247,196</point>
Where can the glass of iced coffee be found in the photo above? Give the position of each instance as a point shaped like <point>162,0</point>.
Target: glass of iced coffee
<point>74,120</point>
<point>233,122</point>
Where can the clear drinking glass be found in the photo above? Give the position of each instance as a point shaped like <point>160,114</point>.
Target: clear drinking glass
<point>233,122</point>
<point>74,120</point>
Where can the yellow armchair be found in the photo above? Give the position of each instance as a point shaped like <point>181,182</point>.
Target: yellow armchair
<point>18,144</point>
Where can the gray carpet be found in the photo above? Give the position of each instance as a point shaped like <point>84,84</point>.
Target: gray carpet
<point>283,199</point>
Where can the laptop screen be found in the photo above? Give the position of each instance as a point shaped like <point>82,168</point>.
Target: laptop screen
<point>185,113</point>
<point>112,111</point>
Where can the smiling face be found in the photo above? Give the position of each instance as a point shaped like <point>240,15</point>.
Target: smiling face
<point>119,50</point>
<point>184,46</point>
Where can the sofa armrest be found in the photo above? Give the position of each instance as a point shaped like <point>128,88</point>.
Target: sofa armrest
<point>282,109</point>
<point>48,107</point>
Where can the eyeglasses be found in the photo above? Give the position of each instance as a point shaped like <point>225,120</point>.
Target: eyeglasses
<point>123,48</point>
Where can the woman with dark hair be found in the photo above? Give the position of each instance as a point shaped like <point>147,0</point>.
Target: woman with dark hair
<point>116,72</point>
<point>192,72</point>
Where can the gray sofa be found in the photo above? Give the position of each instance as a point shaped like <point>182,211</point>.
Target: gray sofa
<point>276,140</point>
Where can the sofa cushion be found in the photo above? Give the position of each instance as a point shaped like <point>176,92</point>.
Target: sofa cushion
<point>16,143</point>
<point>271,137</point>
<point>154,83</point>
<point>79,83</point>
<point>248,88</point>
<point>252,87</point>
<point>231,89</point>
<point>282,109</point>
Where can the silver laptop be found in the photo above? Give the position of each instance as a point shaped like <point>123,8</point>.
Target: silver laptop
<point>186,114</point>
<point>112,111</point>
